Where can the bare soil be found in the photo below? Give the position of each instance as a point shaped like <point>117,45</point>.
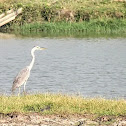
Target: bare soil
<point>37,119</point>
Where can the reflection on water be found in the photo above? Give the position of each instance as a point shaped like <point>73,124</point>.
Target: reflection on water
<point>71,35</point>
<point>88,66</point>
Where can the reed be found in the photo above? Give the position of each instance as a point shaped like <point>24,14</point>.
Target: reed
<point>94,26</point>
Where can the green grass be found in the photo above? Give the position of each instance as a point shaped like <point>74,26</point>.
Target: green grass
<point>61,104</point>
<point>74,29</point>
<point>105,26</point>
<point>96,16</point>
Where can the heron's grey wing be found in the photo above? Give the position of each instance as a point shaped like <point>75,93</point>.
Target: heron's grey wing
<point>21,78</point>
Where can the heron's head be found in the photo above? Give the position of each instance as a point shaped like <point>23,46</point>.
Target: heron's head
<point>38,48</point>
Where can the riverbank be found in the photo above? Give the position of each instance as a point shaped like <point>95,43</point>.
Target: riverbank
<point>36,119</point>
<point>57,109</point>
<point>108,16</point>
<point>63,104</point>
<point>93,28</point>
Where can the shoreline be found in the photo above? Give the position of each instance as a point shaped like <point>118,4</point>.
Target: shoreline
<point>66,29</point>
<point>32,119</point>
<point>93,26</point>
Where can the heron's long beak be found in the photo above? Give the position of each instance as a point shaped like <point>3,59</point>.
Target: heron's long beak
<point>42,48</point>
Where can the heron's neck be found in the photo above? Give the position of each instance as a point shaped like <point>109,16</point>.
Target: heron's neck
<point>33,59</point>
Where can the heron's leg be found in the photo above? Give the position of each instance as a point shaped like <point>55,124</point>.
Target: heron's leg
<point>24,88</point>
<point>19,92</point>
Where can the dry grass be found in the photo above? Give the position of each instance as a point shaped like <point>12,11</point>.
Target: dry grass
<point>61,104</point>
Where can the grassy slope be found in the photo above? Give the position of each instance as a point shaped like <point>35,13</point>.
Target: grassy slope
<point>89,15</point>
<point>61,104</point>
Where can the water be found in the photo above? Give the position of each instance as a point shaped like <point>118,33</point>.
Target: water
<point>90,67</point>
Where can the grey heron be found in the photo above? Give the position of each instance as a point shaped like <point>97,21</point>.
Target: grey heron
<point>24,74</point>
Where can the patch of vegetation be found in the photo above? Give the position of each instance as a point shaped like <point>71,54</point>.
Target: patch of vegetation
<point>61,104</point>
<point>75,29</point>
<point>78,15</point>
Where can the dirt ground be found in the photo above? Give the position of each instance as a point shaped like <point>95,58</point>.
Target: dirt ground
<point>36,119</point>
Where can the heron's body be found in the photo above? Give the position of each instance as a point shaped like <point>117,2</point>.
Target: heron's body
<point>21,78</point>
<point>24,74</point>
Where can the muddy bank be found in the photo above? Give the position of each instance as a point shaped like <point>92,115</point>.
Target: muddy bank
<point>36,119</point>
<point>7,36</point>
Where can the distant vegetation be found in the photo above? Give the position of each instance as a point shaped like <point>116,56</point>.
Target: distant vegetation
<point>78,15</point>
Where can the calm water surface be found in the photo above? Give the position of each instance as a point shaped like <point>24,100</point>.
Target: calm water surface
<point>90,67</point>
